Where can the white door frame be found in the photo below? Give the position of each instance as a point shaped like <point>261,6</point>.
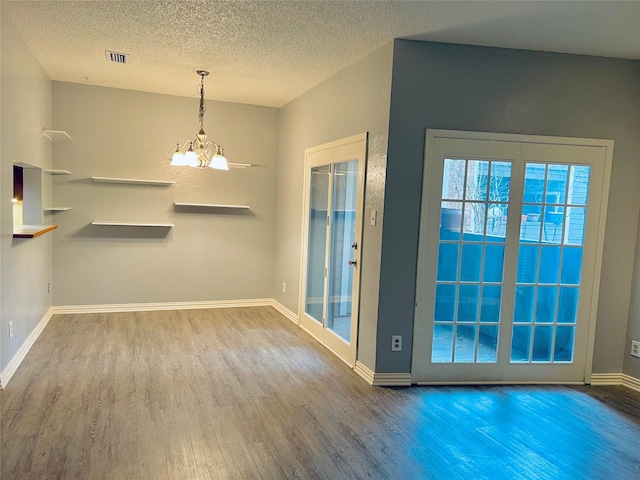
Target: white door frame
<point>426,259</point>
<point>350,148</point>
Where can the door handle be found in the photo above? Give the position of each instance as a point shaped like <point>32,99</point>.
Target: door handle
<point>353,263</point>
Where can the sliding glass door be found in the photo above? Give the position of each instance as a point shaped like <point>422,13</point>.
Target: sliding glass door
<point>334,176</point>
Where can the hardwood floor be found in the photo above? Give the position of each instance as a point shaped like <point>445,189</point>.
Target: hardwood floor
<point>244,393</point>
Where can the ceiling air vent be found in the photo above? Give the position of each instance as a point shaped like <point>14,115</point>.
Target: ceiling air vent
<point>117,57</point>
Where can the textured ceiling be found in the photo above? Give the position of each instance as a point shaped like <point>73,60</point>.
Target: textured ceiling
<point>269,52</point>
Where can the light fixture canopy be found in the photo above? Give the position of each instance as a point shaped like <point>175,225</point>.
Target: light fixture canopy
<point>201,153</point>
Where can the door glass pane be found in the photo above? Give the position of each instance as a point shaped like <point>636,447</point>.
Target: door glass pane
<point>470,264</point>
<point>549,262</point>
<point>343,233</point>
<point>318,205</point>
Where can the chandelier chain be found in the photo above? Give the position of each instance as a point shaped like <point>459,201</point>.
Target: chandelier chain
<point>202,107</point>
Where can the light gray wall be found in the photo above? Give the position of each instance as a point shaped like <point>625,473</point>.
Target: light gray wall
<point>353,101</point>
<point>499,90</point>
<point>209,254</point>
<point>25,264</point>
<point>632,364</point>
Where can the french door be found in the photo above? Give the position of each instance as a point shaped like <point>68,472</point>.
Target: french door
<point>509,258</point>
<point>332,232</point>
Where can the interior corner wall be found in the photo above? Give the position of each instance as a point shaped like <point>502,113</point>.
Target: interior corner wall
<point>472,88</point>
<point>25,264</point>
<point>353,101</point>
<point>210,254</point>
<point>632,364</point>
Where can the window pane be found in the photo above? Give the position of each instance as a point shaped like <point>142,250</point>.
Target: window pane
<point>523,312</point>
<point>497,222</point>
<point>468,303</point>
<point>465,343</point>
<point>453,179</point>
<point>571,266</point>
<point>445,303</point>
<point>450,220</point>
<point>546,304</point>
<point>493,263</point>
<point>542,344</point>
<point>474,221</point>
<point>500,182</point>
<point>471,260</point>
<point>442,349</point>
<point>527,264</point>
<point>563,351</point>
<point>549,264</point>
<point>488,344</point>
<point>552,224</point>
<point>530,223</point>
<point>579,184</point>
<point>534,182</point>
<point>520,342</point>
<point>574,230</point>
<point>477,175</point>
<point>491,301</point>
<point>447,262</point>
<point>568,305</point>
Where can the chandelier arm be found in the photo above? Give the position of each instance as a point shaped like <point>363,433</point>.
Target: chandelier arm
<point>184,145</point>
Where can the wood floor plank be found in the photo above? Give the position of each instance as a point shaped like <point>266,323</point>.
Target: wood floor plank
<point>245,394</point>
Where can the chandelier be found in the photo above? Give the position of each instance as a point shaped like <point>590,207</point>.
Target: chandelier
<point>201,152</point>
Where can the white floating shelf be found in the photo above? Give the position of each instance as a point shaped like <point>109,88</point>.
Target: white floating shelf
<point>137,181</point>
<point>56,209</point>
<point>56,135</point>
<point>130,224</point>
<point>239,165</point>
<point>53,171</point>
<point>211,205</point>
<point>31,231</point>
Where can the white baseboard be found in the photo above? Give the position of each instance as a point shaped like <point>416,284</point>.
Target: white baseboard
<point>365,372</point>
<point>382,379</point>
<point>623,379</point>
<point>285,311</point>
<point>17,359</point>
<point>147,307</point>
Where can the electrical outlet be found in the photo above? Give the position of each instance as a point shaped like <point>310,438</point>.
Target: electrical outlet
<point>284,287</point>
<point>635,348</point>
<point>396,343</point>
<point>10,329</point>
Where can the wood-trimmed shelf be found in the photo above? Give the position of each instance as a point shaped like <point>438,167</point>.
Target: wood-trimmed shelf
<point>56,209</point>
<point>53,171</point>
<point>136,181</point>
<point>31,231</point>
<point>105,223</point>
<point>239,165</point>
<point>211,205</point>
<point>56,135</point>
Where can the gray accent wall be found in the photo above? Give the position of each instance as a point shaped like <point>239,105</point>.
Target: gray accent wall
<point>210,254</point>
<point>25,264</point>
<point>632,364</point>
<point>462,87</point>
<point>353,101</point>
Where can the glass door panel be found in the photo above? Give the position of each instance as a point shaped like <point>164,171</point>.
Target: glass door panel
<point>549,262</point>
<point>343,237</point>
<point>470,264</point>
<point>317,241</point>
